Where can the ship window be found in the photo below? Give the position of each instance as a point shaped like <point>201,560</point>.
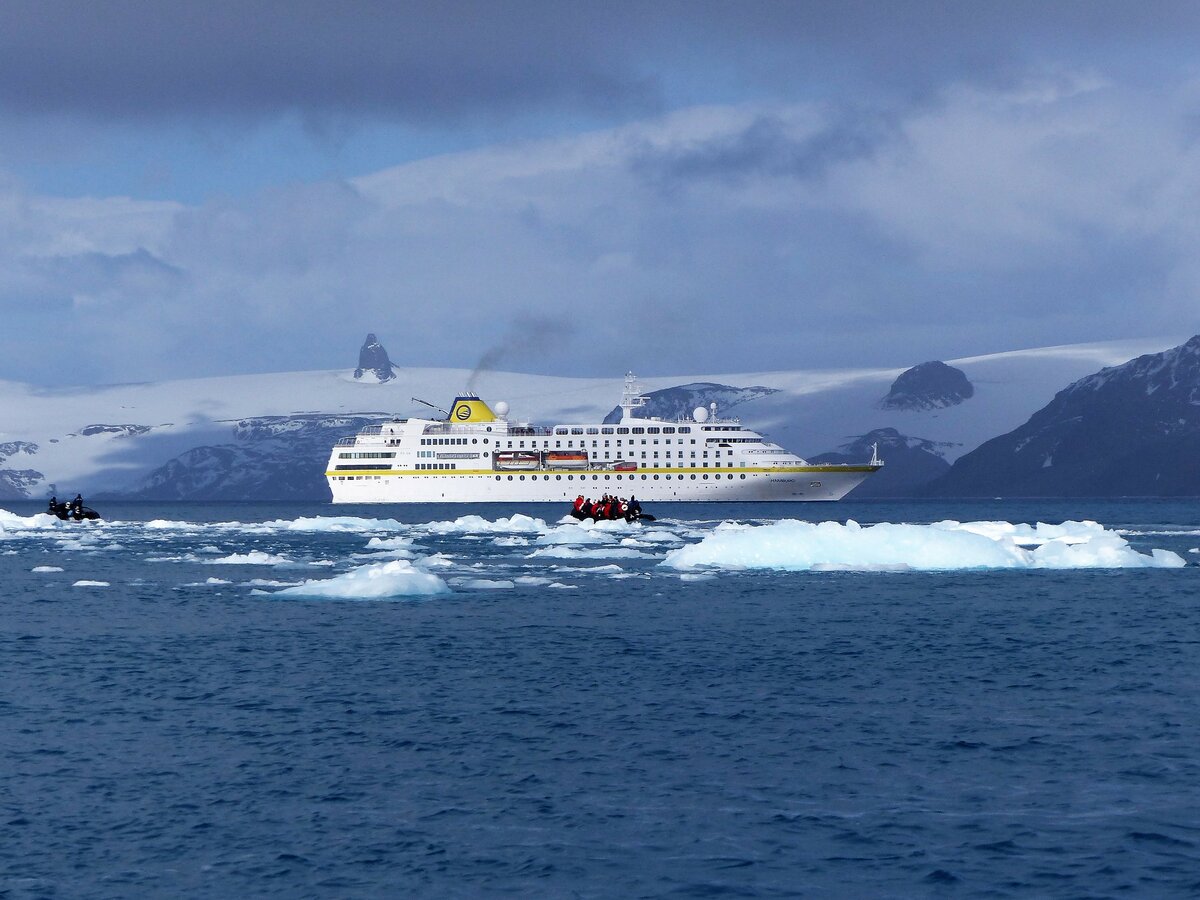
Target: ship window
<point>606,443</point>
<point>560,431</point>
<point>498,477</point>
<point>606,431</point>
<point>576,431</point>
<point>656,478</point>
<point>639,431</point>
<point>622,431</point>
<point>606,477</point>
<point>743,476</point>
<point>510,477</point>
<point>643,478</point>
<point>474,440</point>
<point>693,476</point>
<point>559,477</point>
<point>652,430</point>
<point>685,430</point>
<point>557,444</point>
<point>522,477</point>
<point>593,431</point>
<point>730,476</point>
<point>570,478</point>
<point>668,431</point>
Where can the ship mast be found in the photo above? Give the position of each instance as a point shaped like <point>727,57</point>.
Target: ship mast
<point>631,396</point>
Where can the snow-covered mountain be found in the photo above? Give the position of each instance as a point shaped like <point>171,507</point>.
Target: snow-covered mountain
<point>1129,430</point>
<point>266,436</point>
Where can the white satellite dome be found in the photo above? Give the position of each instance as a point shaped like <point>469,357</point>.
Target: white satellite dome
<point>502,409</point>
<point>700,414</point>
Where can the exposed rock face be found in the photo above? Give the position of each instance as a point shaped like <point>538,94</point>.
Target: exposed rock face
<point>373,362</point>
<point>679,402</point>
<point>271,458</point>
<point>931,385</point>
<point>15,483</point>
<point>910,463</point>
<point>1128,430</point>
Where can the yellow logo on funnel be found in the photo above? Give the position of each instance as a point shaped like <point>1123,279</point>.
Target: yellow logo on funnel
<point>471,409</point>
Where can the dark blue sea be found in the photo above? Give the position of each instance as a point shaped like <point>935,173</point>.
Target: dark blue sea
<point>590,725</point>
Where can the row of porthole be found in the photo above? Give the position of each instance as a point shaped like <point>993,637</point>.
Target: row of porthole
<point>619,477</point>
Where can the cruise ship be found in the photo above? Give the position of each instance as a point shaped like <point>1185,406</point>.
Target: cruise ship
<point>477,455</point>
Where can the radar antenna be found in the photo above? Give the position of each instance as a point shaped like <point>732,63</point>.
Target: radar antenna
<point>431,406</point>
<point>631,396</point>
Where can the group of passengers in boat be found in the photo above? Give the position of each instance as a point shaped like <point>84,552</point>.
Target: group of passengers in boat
<point>607,509</point>
<point>73,510</point>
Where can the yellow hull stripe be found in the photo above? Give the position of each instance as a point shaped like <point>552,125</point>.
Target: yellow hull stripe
<point>777,470</point>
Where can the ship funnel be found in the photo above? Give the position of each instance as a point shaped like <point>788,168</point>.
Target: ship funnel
<point>469,408</point>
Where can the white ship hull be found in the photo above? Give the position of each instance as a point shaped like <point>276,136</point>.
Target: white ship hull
<point>807,483</point>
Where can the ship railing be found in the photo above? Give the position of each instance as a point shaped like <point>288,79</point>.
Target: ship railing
<point>371,429</point>
<point>346,442</point>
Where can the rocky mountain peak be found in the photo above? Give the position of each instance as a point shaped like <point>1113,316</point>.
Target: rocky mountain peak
<point>930,385</point>
<point>373,362</point>
<point>1127,430</point>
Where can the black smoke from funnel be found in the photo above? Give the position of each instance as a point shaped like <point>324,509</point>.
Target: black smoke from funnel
<point>527,335</point>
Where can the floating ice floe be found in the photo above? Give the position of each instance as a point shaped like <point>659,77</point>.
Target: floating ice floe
<point>46,569</point>
<point>561,552</point>
<point>333,524</point>
<point>573,534</point>
<point>795,545</point>
<point>398,578</point>
<point>518,524</point>
<point>10,521</point>
<point>252,558</point>
<point>86,583</point>
<point>391,543</point>
<point>485,584</point>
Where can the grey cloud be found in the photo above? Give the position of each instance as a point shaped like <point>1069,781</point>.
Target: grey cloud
<point>420,61</point>
<point>427,62</point>
<point>766,147</point>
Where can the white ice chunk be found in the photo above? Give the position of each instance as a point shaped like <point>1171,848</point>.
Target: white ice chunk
<point>46,569</point>
<point>560,552</point>
<point>794,545</point>
<point>531,580</point>
<point>10,521</point>
<point>518,524</point>
<point>253,558</point>
<point>511,541</point>
<point>391,543</point>
<point>334,524</point>
<point>85,583</point>
<point>573,534</point>
<point>485,584</point>
<point>398,578</point>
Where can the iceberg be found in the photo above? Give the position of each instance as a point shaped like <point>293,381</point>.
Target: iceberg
<point>398,578</point>
<point>253,558</point>
<point>792,545</point>
<point>518,524</point>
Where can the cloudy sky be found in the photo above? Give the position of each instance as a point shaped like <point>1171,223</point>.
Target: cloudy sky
<point>674,187</point>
